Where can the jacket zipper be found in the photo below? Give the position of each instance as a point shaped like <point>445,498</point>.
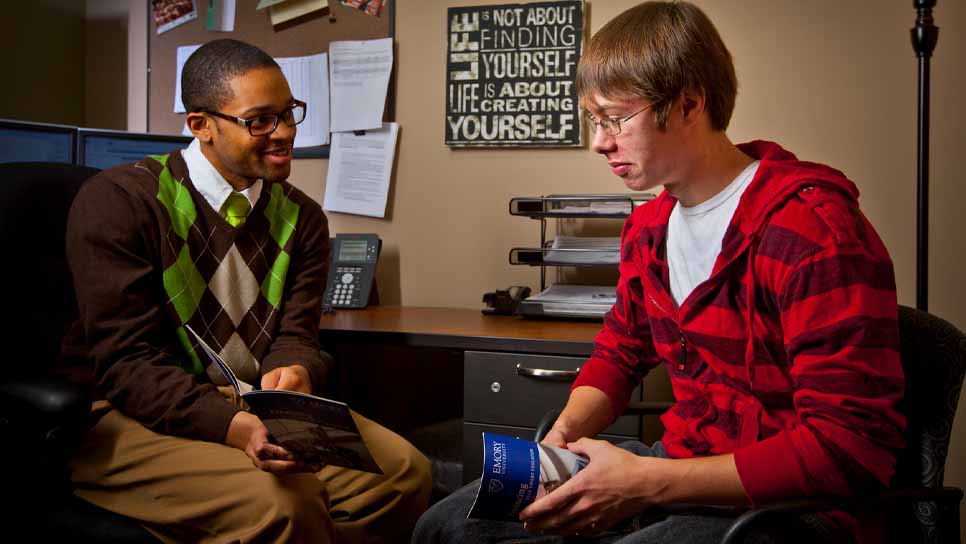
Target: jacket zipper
<point>683,358</point>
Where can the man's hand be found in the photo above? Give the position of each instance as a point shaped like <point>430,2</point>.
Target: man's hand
<point>614,485</point>
<point>247,433</point>
<point>556,438</point>
<point>288,378</point>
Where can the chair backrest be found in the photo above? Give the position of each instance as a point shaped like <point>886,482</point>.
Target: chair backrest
<point>933,353</point>
<point>39,300</point>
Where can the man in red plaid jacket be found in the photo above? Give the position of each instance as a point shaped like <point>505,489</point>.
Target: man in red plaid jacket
<point>754,280</point>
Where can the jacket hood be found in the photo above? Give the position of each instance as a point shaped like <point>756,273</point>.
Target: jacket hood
<point>780,176</point>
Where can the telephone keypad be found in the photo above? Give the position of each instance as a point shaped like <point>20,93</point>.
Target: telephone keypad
<point>345,289</point>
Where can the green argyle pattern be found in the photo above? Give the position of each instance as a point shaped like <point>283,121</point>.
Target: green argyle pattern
<point>226,283</point>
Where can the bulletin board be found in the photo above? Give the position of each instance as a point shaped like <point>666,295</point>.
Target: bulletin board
<point>307,35</point>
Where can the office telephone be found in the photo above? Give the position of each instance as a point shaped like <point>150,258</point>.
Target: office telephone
<point>352,270</point>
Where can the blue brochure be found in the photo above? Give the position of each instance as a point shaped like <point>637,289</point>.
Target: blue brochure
<point>516,472</point>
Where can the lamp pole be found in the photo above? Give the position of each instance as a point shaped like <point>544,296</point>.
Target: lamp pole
<point>924,36</point>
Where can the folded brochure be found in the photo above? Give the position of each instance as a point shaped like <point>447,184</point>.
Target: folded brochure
<point>314,429</point>
<point>517,472</point>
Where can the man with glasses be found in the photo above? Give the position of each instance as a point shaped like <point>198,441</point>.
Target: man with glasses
<point>755,280</point>
<point>214,238</point>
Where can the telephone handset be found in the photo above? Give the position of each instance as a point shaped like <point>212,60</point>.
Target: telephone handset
<point>352,270</point>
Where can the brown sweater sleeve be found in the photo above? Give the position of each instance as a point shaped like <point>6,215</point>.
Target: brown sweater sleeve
<point>297,340</point>
<point>113,247</point>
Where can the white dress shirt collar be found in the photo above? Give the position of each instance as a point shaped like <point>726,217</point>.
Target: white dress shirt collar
<point>209,182</point>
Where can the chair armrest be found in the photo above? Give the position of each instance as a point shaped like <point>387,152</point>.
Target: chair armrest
<point>748,520</point>
<point>647,408</point>
<point>546,423</point>
<point>43,411</point>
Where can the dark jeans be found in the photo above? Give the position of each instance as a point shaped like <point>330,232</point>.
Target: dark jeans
<point>446,522</point>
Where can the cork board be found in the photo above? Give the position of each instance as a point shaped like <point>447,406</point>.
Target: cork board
<point>307,35</point>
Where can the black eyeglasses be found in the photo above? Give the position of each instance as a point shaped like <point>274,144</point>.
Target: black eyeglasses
<point>265,124</point>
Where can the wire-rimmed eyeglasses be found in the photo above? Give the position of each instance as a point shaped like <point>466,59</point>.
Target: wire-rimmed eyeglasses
<point>611,125</point>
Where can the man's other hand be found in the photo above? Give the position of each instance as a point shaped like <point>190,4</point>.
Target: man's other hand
<point>247,433</point>
<point>288,378</point>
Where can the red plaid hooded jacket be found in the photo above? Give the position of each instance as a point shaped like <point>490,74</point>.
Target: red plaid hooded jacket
<point>787,356</point>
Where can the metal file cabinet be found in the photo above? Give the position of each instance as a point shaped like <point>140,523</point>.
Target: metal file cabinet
<point>508,393</point>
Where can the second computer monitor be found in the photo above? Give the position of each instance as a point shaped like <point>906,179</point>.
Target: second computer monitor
<point>108,148</point>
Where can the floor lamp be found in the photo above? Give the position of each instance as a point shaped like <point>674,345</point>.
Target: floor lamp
<point>924,37</point>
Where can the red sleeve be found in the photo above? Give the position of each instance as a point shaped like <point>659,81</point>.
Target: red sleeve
<point>839,321</point>
<point>623,349</point>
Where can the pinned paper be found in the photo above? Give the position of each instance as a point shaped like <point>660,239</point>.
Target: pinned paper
<point>220,16</point>
<point>169,14</point>
<point>293,9</point>
<point>184,52</point>
<point>262,4</point>
<point>360,166</point>
<point>359,73</point>
<point>308,77</point>
<point>372,7</point>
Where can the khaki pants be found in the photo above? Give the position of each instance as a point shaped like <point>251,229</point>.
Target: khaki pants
<point>194,491</point>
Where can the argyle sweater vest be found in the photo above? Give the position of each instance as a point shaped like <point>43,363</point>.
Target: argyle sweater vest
<point>226,283</point>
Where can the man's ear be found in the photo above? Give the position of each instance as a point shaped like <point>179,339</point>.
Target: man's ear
<point>199,126</point>
<point>692,105</point>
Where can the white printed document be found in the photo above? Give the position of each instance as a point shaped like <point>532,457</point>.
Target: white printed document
<point>308,77</point>
<point>360,166</point>
<point>360,79</point>
<point>184,52</point>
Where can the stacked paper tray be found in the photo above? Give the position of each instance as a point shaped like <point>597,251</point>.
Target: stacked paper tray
<point>571,251</point>
<point>578,301</point>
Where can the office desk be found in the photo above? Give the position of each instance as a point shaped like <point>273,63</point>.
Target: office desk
<point>405,368</point>
<point>459,329</point>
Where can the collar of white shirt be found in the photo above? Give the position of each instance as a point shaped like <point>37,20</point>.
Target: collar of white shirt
<point>209,182</point>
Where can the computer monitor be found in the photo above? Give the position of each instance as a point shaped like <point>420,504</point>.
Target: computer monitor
<point>108,148</point>
<point>23,141</point>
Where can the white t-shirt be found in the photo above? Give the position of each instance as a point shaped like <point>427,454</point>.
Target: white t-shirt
<point>694,235</point>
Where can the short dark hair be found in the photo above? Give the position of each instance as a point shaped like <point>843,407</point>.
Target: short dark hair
<point>657,50</point>
<point>205,76</point>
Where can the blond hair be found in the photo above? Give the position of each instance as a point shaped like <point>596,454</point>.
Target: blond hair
<point>657,50</point>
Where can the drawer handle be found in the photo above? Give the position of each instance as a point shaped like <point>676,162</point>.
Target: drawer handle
<point>547,374</point>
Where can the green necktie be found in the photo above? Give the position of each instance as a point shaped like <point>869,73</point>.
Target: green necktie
<point>236,209</point>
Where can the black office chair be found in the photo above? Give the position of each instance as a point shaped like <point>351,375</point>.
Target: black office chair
<point>919,508</point>
<point>41,417</point>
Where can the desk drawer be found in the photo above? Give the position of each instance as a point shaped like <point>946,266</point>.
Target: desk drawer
<point>501,389</point>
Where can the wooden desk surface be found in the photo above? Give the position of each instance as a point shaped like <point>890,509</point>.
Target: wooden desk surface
<point>459,328</point>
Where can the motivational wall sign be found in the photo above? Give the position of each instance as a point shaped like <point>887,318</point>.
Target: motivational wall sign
<point>511,75</point>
